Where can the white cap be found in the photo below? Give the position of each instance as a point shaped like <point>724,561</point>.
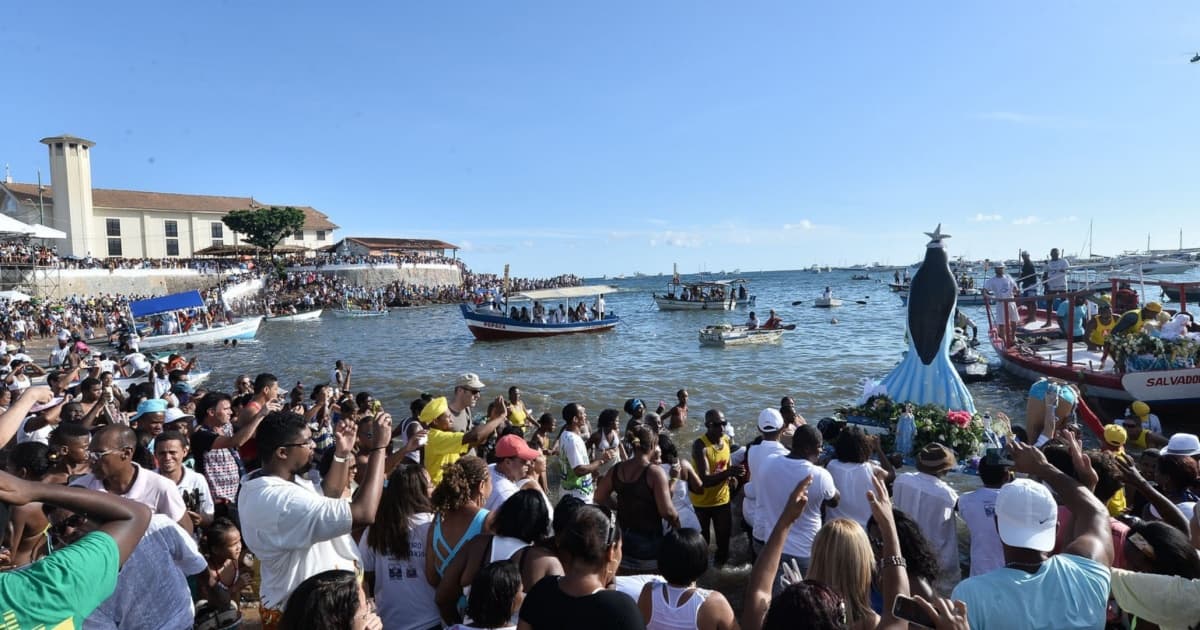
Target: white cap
<point>1183,444</point>
<point>1026,515</point>
<point>175,414</point>
<point>770,420</point>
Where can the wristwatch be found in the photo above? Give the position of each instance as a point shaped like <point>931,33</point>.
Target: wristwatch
<point>339,459</point>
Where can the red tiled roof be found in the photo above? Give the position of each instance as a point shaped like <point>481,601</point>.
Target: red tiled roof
<point>170,202</point>
<point>414,244</point>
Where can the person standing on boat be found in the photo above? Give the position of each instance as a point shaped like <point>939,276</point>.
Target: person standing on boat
<point>1098,328</point>
<point>600,306</point>
<point>1002,287</point>
<point>827,295</point>
<point>1029,288</point>
<point>1056,282</point>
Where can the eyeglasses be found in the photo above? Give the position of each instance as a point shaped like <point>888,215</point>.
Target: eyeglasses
<point>310,443</point>
<point>71,522</point>
<point>474,392</point>
<point>96,456</point>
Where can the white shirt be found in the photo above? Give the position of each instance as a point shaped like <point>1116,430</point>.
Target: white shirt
<point>784,473</point>
<point>756,458</point>
<point>574,449</point>
<point>193,480</point>
<point>59,355</point>
<point>404,597</point>
<point>502,488</point>
<point>41,435</point>
<point>978,509</point>
<point>853,481</point>
<point>1056,274</point>
<point>107,365</point>
<point>296,533</point>
<point>149,488</point>
<point>138,362</point>
<point>158,567</point>
<point>930,502</point>
<point>1001,286</point>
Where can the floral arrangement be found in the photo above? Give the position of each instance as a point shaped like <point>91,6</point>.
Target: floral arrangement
<point>1141,352</point>
<point>962,431</point>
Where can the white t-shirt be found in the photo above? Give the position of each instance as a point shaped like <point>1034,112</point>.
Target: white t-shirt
<point>149,488</point>
<point>41,435</point>
<point>978,509</point>
<point>1056,274</point>
<point>502,488</point>
<point>59,355</point>
<point>107,365</point>
<point>574,449</point>
<point>296,532</point>
<point>784,473</point>
<point>193,480</point>
<point>137,363</point>
<point>403,595</point>
<point>158,567</point>
<point>930,502</point>
<point>757,457</point>
<point>853,481</point>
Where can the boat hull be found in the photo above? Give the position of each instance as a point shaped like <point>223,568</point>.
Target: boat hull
<point>244,329</point>
<point>970,299</point>
<point>826,302</point>
<point>357,313</point>
<point>675,304</point>
<point>298,317</point>
<point>723,336</point>
<point>494,327</point>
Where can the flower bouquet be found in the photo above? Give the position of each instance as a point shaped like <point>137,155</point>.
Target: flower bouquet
<point>962,431</point>
<point>1139,352</point>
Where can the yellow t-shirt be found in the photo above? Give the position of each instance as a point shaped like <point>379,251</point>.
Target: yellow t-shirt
<point>441,448</point>
<point>517,416</point>
<point>1100,332</point>
<point>717,456</point>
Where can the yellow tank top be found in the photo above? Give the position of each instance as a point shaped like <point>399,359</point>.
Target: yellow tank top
<point>1136,328</point>
<point>1101,331</point>
<point>717,457</point>
<point>517,416</point>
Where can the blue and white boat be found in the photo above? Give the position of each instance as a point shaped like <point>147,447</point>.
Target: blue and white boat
<point>245,328</point>
<point>488,324</point>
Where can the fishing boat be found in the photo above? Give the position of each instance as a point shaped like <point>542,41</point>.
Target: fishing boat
<point>306,316</point>
<point>966,297</point>
<point>723,335</point>
<point>495,321</point>
<point>716,295</point>
<point>861,276</point>
<point>1157,382</point>
<point>189,301</point>
<point>827,302</point>
<point>358,312</point>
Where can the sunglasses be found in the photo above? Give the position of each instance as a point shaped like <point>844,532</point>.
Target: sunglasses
<point>96,456</point>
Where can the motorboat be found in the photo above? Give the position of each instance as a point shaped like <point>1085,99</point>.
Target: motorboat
<point>358,312</point>
<point>494,324</point>
<point>861,276</point>
<point>168,306</point>
<point>722,335</point>
<point>1162,380</point>
<point>306,316</point>
<point>966,297</point>
<point>968,362</point>
<point>715,295</point>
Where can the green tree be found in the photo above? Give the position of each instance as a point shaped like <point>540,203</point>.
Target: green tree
<point>265,227</point>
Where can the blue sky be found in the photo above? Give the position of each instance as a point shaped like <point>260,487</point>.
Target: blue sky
<point>606,138</point>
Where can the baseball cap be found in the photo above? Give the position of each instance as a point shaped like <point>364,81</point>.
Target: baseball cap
<point>514,446</point>
<point>1115,435</point>
<point>1026,515</point>
<point>434,409</point>
<point>769,420</point>
<point>64,335</point>
<point>469,381</point>
<point>150,405</point>
<point>1182,444</point>
<point>1153,307</point>
<point>175,414</point>
<point>1140,408</point>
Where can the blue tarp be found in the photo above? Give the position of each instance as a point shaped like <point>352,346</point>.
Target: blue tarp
<point>173,302</point>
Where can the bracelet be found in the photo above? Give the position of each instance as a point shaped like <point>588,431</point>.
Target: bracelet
<point>340,460</point>
<point>892,561</point>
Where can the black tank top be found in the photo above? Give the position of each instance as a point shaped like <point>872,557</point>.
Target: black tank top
<point>636,508</point>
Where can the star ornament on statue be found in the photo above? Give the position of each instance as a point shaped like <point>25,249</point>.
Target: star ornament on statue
<point>936,237</point>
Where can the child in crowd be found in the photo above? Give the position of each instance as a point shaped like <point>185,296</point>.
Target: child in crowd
<point>230,573</point>
<point>495,598</point>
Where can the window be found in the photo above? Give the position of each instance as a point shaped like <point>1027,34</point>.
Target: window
<point>113,228</point>
<point>218,231</point>
<point>172,247</point>
<point>171,228</point>
<point>299,235</point>
<point>114,245</point>
<point>218,242</point>
<point>320,235</point>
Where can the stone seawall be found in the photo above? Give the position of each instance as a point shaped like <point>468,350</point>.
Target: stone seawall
<point>63,283</point>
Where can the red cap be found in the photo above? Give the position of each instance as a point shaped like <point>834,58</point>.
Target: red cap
<point>514,446</point>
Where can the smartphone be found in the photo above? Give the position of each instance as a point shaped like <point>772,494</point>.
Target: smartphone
<point>906,608</point>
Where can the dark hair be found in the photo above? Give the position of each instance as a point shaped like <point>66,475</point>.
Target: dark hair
<point>210,401</point>
<point>175,376</point>
<point>608,418</point>
<point>546,417</point>
<point>67,431</point>
<point>263,381</point>
<point>570,411</point>
<point>88,383</point>
<point>852,446</point>
<point>123,436</point>
<point>325,600</point>
<point>1059,456</point>
<point>1173,552</point>
<point>1109,473</point>
<point>32,456</point>
<point>523,515</point>
<point>416,406</point>
<point>564,512</point>
<point>806,438</point>
<point>914,547</point>
<point>683,556</point>
<point>666,446</point>
<point>215,532</point>
<point>589,535</point>
<point>458,484</point>
<point>361,399</point>
<point>993,474</point>
<point>178,436</point>
<point>819,606</point>
<point>493,590</point>
<point>1181,470</point>
<point>278,428</point>
<point>405,495</point>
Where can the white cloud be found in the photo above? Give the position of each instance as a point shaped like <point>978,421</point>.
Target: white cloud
<point>688,240</point>
<point>1029,220</point>
<point>984,218</point>
<point>804,224</point>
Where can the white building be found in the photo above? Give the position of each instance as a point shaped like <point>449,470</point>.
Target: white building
<point>133,224</point>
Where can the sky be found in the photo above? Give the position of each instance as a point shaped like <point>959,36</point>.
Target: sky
<point>616,137</point>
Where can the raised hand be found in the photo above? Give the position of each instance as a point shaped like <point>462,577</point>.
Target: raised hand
<point>344,437</point>
<point>381,430</point>
<point>797,501</point>
<point>1026,459</point>
<point>946,614</point>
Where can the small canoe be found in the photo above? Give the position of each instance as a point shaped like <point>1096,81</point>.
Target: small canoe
<point>357,312</point>
<point>824,302</point>
<point>726,335</point>
<point>306,316</point>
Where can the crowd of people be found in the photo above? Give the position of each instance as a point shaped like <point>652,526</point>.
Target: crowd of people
<point>330,513</point>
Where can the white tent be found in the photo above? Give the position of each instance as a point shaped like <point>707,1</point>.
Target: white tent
<point>41,231</point>
<point>13,296</point>
<point>9,225</point>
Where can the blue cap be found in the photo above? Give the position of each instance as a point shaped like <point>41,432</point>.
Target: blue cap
<point>150,405</point>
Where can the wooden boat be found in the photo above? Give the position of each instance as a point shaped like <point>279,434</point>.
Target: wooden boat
<point>826,302</point>
<point>714,295</point>
<point>306,316</point>
<point>491,325</point>
<point>723,335</point>
<point>966,297</point>
<point>245,328</point>
<point>1073,362</point>
<point>358,312</point>
<point>860,276</point>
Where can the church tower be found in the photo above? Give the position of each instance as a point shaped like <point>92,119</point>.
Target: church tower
<point>71,179</point>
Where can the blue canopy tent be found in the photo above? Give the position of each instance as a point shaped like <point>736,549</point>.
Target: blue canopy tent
<point>166,303</point>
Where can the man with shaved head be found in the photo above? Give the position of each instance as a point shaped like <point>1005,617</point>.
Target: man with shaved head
<point>115,472</point>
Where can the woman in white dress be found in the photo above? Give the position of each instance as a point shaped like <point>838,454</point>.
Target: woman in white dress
<point>683,480</point>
